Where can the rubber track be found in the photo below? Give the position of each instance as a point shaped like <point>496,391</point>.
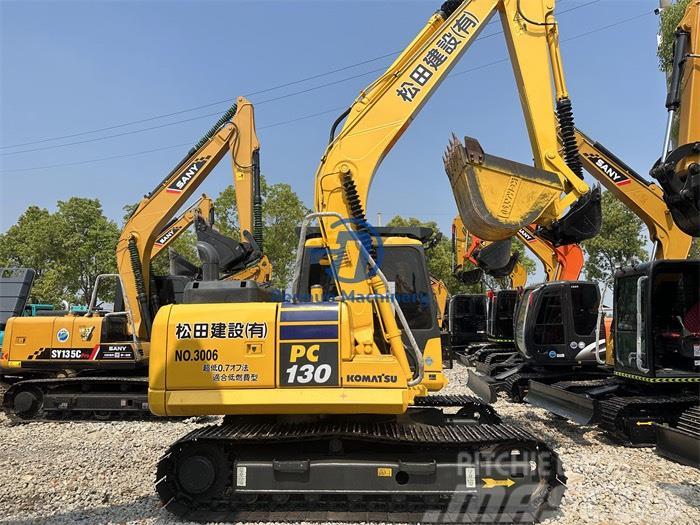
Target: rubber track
<point>615,410</point>
<point>320,510</point>
<point>572,377</point>
<point>80,415</point>
<point>689,422</point>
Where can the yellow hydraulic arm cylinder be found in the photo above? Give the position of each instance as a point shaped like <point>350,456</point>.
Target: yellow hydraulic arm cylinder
<point>643,197</point>
<point>678,169</point>
<point>204,207</point>
<point>158,207</point>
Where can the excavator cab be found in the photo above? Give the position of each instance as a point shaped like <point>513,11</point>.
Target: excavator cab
<point>657,320</point>
<point>401,257</point>
<point>499,318</point>
<point>15,287</point>
<point>467,320</point>
<point>555,323</point>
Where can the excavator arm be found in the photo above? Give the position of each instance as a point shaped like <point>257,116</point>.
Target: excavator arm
<point>643,197</point>
<point>135,245</point>
<point>561,263</point>
<point>204,207</point>
<point>494,258</point>
<point>678,170</point>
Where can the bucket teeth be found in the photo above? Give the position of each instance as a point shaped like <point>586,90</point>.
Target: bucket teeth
<point>495,196</point>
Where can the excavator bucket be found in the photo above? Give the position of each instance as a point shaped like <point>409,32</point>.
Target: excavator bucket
<point>470,277</point>
<point>581,222</point>
<point>506,270</point>
<point>494,256</point>
<point>179,265</point>
<point>495,196</point>
<point>232,254</point>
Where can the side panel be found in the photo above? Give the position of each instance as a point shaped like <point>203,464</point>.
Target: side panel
<point>217,346</point>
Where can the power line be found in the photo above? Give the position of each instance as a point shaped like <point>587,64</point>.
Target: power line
<point>304,117</point>
<point>227,100</point>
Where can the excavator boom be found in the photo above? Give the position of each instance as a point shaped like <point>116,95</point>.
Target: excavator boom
<point>643,197</point>
<point>135,245</point>
<point>204,207</point>
<point>678,170</point>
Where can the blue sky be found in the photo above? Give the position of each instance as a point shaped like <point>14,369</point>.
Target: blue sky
<point>69,67</point>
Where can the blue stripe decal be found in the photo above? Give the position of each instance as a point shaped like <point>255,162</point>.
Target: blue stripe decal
<point>328,331</point>
<point>309,315</point>
<point>325,305</point>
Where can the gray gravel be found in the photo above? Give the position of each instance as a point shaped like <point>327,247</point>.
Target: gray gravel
<point>104,472</point>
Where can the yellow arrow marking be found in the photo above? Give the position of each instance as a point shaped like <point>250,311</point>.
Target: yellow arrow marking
<point>644,423</point>
<point>490,483</point>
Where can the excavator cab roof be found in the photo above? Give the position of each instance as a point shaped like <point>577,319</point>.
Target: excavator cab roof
<point>419,233</point>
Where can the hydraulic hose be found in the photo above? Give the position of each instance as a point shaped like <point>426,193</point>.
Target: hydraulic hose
<point>567,132</point>
<point>140,286</point>
<point>357,213</point>
<point>257,201</point>
<point>208,135</point>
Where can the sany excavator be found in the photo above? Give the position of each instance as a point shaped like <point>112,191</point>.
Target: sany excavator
<point>652,396</point>
<point>328,400</point>
<point>95,364</point>
<point>509,373</point>
<point>560,263</point>
<point>467,313</point>
<point>202,207</point>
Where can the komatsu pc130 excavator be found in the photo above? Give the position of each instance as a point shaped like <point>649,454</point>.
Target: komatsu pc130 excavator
<point>327,400</point>
<point>94,365</point>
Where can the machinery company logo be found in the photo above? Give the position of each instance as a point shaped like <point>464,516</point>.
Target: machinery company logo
<point>619,178</point>
<point>362,232</point>
<point>167,235</point>
<point>62,335</point>
<point>525,234</point>
<point>186,176</point>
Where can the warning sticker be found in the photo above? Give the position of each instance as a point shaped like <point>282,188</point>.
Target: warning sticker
<point>241,476</point>
<point>470,477</point>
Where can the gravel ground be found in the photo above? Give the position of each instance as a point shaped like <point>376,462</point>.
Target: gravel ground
<point>103,472</point>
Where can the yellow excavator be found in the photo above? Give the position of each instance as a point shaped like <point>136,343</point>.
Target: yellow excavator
<point>203,207</point>
<point>94,365</point>
<point>641,196</point>
<point>652,395</point>
<point>346,380</point>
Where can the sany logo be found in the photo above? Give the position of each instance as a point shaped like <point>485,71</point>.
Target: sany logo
<point>525,234</point>
<point>614,175</point>
<point>186,176</point>
<point>167,235</point>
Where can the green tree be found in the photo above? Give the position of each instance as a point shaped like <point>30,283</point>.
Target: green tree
<point>34,242</point>
<point>695,249</point>
<point>68,249</point>
<point>621,240</point>
<point>88,240</point>
<point>283,211</point>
